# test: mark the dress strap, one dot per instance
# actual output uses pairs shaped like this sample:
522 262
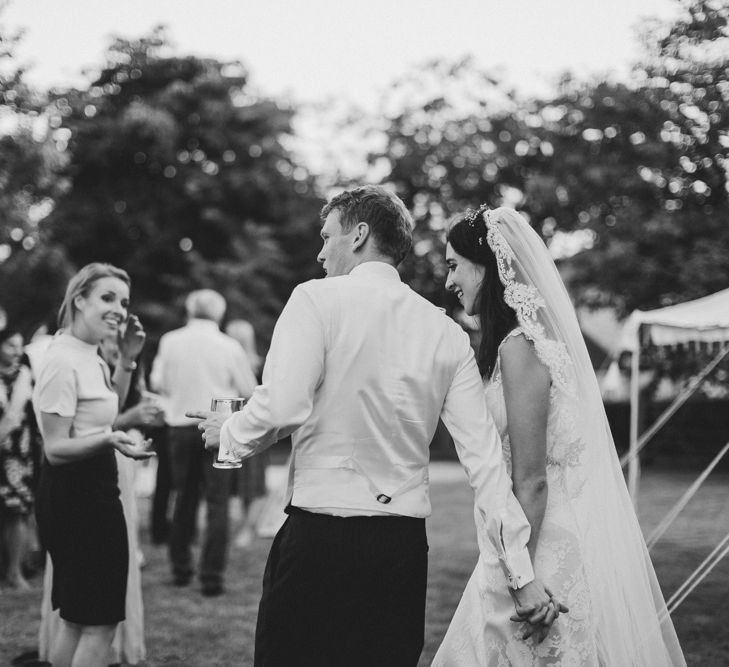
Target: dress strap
514 332
497 366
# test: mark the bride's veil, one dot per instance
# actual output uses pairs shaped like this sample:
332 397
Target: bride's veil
625 596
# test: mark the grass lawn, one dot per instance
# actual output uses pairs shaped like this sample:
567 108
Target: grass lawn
184 628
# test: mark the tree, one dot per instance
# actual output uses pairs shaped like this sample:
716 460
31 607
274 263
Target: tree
31 275
634 172
460 139
644 167
180 176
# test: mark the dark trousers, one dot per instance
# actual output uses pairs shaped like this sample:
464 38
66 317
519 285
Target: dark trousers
192 471
159 513
343 591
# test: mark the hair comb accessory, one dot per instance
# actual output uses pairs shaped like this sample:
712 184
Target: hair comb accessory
472 217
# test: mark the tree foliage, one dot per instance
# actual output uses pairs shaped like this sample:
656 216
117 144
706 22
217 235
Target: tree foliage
179 175
169 166
662 149
30 273
636 172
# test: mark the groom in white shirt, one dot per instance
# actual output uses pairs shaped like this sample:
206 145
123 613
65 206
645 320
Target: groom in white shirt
359 370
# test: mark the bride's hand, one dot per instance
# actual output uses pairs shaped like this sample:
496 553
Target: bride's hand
555 608
536 606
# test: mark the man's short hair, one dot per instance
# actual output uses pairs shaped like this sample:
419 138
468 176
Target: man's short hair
205 304
389 221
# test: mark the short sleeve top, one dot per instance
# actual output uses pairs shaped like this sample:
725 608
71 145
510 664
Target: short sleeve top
74 381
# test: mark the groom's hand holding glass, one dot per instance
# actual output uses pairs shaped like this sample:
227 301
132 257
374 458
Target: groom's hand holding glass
212 421
209 425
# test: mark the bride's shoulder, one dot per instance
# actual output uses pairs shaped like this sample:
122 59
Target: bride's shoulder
518 356
516 345
516 339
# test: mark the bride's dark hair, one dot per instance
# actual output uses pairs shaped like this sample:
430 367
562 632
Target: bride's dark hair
468 238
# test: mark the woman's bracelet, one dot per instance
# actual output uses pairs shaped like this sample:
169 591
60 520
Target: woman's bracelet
129 367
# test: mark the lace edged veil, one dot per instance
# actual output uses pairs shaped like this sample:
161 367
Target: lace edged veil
626 600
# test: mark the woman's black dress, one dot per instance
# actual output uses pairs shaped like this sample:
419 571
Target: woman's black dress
81 524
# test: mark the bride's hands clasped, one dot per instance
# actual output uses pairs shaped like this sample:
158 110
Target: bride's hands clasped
536 605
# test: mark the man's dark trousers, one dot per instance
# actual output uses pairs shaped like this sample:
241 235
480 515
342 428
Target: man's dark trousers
192 471
343 591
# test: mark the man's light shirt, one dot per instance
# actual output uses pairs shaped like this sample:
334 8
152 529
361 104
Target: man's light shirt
359 371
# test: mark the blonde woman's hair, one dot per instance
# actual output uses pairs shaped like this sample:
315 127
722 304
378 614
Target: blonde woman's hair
82 283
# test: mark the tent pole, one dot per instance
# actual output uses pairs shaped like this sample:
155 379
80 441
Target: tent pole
673 408
634 461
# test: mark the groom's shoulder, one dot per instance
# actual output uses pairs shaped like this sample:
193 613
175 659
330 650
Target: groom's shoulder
324 286
434 318
319 292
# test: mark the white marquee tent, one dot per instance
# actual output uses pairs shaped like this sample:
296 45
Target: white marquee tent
704 320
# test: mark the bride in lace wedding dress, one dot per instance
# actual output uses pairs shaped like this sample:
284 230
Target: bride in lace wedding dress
586 544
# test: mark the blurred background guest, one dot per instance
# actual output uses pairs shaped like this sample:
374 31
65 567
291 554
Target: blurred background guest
251 479
194 364
80 516
161 485
16 455
245 334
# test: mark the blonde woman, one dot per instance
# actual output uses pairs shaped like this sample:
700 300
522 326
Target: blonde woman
80 516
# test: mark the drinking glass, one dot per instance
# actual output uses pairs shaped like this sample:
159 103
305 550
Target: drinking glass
226 406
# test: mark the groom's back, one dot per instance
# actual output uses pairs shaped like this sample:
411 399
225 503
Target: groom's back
390 359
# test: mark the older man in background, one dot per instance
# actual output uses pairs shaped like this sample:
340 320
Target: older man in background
194 364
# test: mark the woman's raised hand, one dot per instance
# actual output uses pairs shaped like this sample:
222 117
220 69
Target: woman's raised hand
131 339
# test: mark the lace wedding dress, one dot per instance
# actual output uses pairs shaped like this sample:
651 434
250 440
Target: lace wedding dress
590 551
481 632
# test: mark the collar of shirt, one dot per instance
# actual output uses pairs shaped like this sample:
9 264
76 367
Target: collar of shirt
69 340
374 269
203 323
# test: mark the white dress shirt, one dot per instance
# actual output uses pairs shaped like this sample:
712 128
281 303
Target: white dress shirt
195 364
359 370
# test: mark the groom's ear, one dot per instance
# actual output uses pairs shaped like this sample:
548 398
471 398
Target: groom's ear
361 234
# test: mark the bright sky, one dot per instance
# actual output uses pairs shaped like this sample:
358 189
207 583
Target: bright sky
339 53
315 49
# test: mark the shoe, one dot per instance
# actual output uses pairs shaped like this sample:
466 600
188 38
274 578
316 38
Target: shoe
212 590
29 659
181 580
25 658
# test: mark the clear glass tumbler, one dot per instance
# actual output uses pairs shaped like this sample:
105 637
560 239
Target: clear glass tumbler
226 406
